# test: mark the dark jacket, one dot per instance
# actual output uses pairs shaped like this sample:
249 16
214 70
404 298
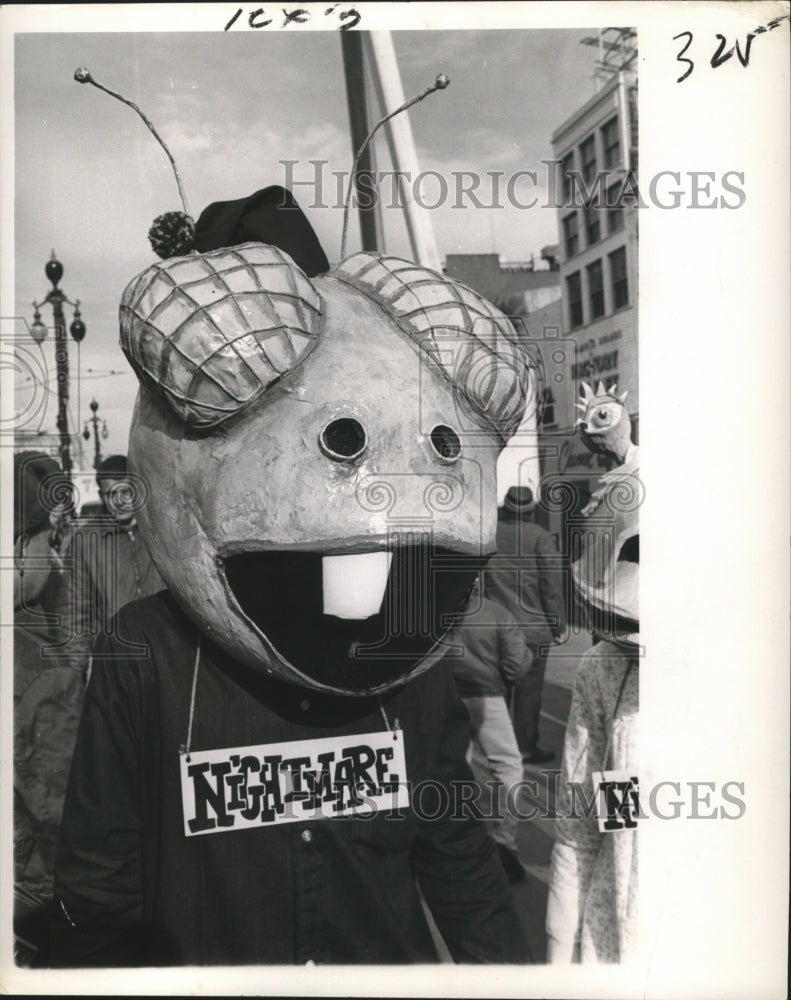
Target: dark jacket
48 698
492 654
526 578
138 890
107 566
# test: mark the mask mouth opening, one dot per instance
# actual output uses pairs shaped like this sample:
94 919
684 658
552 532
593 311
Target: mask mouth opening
605 608
283 594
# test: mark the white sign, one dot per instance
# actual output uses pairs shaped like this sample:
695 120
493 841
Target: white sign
241 787
617 800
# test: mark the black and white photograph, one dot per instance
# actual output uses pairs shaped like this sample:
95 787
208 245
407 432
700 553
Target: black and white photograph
332 338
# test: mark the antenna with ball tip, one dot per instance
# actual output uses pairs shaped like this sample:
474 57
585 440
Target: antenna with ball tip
440 83
173 233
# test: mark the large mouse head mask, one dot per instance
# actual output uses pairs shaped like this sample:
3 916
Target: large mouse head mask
319 445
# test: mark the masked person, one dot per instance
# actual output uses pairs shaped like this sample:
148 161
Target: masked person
277 779
108 564
47 700
592 907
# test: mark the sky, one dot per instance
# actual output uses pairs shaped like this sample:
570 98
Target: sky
90 178
714 314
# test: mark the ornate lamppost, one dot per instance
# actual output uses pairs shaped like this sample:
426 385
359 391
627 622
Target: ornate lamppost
97 454
56 298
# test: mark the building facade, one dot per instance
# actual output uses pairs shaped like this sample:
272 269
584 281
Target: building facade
596 153
530 294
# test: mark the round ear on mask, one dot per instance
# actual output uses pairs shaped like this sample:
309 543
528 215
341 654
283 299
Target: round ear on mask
209 333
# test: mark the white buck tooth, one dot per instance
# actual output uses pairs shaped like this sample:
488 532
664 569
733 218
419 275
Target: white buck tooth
354 585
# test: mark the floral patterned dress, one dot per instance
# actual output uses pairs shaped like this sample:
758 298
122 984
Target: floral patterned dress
592 908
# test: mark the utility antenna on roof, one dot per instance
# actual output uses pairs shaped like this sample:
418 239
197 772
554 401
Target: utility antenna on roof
617 52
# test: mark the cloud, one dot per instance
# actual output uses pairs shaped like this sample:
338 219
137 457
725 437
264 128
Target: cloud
90 178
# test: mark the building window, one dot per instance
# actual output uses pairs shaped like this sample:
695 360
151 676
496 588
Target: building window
611 141
596 289
571 234
629 192
632 101
615 217
547 418
618 278
588 158
574 294
566 166
592 226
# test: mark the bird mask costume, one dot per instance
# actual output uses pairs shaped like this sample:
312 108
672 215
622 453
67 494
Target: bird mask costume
607 571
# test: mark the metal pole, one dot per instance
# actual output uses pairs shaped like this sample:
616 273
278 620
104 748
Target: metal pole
55 297
368 195
625 122
97 456
390 93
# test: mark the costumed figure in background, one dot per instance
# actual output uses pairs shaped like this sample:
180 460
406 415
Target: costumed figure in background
592 908
47 699
320 451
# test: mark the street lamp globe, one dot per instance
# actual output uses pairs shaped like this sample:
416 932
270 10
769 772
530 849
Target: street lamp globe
38 331
77 328
54 269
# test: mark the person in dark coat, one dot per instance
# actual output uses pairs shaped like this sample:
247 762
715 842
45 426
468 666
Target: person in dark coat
135 890
525 577
492 657
107 564
47 701
277 779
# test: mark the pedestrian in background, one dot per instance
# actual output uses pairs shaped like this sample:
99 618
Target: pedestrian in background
525 578
48 698
493 657
109 562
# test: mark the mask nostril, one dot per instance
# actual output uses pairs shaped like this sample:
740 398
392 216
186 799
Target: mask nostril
343 439
446 442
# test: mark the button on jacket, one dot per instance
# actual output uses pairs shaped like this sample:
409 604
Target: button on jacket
134 889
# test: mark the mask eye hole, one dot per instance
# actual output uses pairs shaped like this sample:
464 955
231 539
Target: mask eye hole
343 439
446 443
